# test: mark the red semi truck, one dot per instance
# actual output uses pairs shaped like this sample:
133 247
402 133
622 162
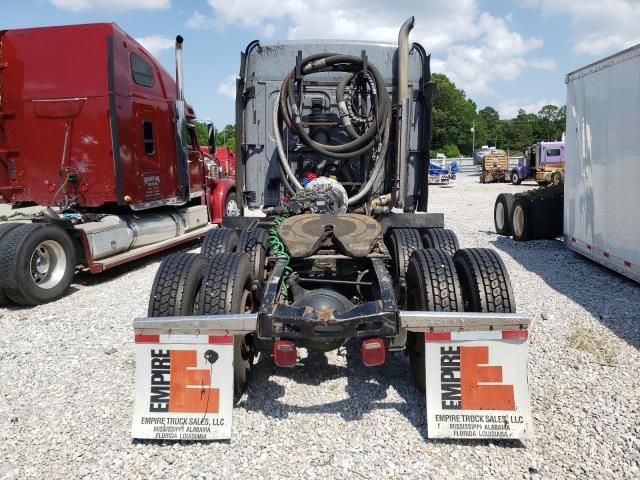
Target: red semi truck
99 160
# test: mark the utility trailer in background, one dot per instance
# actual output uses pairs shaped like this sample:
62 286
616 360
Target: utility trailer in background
597 208
602 194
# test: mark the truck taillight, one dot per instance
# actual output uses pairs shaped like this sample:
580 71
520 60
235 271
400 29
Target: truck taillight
373 352
285 353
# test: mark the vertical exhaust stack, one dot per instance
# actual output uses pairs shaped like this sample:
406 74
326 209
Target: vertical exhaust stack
181 126
402 134
179 74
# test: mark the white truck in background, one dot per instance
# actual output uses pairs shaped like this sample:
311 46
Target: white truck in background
602 178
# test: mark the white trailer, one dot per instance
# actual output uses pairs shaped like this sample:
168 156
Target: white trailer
602 180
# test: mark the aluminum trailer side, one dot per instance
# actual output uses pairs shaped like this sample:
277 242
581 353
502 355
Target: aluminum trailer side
602 182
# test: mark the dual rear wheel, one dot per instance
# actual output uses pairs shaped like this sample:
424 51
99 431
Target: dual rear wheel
221 279
465 280
37 263
441 277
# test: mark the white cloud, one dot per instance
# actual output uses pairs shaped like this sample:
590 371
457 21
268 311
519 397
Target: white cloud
509 108
472 47
598 27
268 30
198 21
157 43
543 64
78 5
355 19
227 88
497 55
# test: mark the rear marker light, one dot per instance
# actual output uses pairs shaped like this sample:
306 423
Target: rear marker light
285 353
606 254
373 352
627 264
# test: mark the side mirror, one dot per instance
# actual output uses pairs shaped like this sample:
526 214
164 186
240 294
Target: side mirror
211 131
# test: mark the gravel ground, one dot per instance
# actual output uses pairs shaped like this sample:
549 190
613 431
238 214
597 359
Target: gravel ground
66 383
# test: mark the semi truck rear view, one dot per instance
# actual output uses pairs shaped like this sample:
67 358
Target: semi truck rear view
335 245
98 155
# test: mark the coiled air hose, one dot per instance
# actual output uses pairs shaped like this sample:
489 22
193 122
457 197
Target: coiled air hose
374 124
280 251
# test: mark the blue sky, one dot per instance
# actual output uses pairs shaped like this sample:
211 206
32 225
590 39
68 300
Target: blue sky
507 54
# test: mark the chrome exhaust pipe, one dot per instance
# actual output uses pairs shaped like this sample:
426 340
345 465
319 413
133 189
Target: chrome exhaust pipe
179 84
403 59
403 103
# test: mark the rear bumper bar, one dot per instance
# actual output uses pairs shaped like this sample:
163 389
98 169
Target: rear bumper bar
238 324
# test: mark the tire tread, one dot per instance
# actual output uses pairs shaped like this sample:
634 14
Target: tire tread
441 238
489 281
167 293
404 241
219 240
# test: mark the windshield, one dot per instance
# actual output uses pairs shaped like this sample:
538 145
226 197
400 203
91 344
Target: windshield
553 152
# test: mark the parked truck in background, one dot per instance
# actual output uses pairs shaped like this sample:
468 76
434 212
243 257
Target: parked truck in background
98 155
596 210
495 166
227 161
542 162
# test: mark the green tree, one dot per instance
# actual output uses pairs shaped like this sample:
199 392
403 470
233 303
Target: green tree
203 135
224 138
453 116
490 118
227 137
451 151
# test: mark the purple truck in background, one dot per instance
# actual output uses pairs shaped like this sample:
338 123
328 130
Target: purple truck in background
542 162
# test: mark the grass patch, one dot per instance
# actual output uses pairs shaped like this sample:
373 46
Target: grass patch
590 342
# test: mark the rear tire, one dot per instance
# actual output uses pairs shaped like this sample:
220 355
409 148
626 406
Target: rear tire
515 178
442 239
485 282
5 228
522 219
176 285
226 288
433 286
254 243
502 211
219 240
37 263
556 178
482 178
401 243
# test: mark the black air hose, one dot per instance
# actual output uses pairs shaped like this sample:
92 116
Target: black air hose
326 62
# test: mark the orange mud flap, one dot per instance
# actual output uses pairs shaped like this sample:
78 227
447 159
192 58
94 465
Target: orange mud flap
184 376
476 374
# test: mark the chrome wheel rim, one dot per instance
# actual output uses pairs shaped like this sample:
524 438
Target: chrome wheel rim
232 209
48 264
518 221
500 216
